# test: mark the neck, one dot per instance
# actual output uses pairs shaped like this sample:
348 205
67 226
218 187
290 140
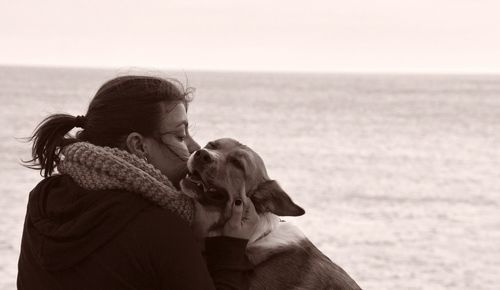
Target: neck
272 236
266 224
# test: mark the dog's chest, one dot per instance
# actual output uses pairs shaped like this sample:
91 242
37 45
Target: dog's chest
286 259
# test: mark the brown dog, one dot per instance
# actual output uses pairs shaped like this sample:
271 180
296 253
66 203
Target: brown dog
283 257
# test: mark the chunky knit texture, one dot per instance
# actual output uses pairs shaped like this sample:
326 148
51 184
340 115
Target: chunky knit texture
97 168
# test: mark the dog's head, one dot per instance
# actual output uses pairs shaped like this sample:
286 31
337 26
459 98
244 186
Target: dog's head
225 169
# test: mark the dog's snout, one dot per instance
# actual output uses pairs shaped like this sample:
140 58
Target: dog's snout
203 155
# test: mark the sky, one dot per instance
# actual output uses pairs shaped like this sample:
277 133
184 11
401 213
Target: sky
436 36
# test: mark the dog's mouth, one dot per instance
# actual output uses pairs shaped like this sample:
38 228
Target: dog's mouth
195 178
206 192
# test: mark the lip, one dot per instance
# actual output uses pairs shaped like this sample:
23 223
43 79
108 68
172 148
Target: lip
194 183
194 177
206 193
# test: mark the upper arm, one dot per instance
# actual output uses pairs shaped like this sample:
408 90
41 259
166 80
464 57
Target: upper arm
176 256
179 263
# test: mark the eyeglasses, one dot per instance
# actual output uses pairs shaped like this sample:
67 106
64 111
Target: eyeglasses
180 151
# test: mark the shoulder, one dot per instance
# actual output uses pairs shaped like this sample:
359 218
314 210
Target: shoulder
156 216
155 236
164 238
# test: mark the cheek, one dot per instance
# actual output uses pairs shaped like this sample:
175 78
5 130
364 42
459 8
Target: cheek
179 149
169 164
235 182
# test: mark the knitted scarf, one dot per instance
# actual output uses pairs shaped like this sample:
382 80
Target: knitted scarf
97 168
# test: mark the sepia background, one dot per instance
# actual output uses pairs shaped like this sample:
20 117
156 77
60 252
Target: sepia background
380 118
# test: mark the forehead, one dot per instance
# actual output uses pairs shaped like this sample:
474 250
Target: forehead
226 143
230 147
173 115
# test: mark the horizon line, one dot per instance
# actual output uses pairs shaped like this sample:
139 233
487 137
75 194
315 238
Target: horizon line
255 71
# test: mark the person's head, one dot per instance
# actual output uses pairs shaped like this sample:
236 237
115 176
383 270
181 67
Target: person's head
141 114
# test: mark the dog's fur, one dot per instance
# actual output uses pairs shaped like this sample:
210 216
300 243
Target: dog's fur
282 256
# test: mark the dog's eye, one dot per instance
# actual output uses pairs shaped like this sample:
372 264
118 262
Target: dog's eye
237 163
211 145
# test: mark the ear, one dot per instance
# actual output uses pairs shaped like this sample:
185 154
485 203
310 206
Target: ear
269 197
135 144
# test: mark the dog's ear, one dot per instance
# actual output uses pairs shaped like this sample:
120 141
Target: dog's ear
269 197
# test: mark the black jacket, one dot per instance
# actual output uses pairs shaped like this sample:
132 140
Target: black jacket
112 239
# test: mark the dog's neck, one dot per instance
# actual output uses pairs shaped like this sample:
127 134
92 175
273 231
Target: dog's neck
271 236
267 222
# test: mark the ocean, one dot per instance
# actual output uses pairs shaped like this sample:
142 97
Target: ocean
398 174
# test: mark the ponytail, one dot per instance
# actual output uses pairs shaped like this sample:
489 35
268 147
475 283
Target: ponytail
48 139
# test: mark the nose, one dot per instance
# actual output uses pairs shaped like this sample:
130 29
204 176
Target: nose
191 144
203 155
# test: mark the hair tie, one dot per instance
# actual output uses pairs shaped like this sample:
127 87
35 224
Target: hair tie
80 121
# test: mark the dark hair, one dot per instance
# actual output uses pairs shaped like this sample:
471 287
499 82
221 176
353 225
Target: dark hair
121 106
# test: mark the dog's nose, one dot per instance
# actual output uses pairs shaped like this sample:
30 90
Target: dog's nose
203 155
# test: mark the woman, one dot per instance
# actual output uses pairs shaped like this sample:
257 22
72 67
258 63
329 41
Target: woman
113 218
